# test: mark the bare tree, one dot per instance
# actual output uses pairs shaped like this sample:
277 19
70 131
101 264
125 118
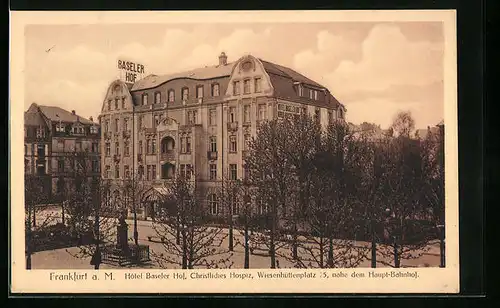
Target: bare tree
92 217
199 245
33 198
270 173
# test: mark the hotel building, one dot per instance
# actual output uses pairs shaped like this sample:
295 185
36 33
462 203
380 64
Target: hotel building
53 137
198 122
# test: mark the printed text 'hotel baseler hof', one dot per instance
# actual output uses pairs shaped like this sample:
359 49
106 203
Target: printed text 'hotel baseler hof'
198 123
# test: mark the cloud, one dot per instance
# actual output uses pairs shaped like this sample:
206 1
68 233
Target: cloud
391 70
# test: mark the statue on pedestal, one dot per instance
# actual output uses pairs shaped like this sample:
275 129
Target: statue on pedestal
122 233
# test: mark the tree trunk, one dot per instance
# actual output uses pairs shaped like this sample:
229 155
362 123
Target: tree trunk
63 214
272 248
247 249
396 257
136 232
330 252
294 243
178 233
374 247
231 244
184 250
321 251
28 260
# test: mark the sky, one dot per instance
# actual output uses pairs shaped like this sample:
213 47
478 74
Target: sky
374 69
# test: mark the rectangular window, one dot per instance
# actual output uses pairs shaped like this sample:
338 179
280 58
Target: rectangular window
262 112
117 171
315 95
127 171
171 96
117 148
95 166
258 85
183 144
232 114
246 142
213 144
156 120
108 172
232 144
330 116
116 103
78 146
213 171
311 94
233 174
246 86
236 88
60 165
212 200
157 97
188 144
60 145
153 172
212 117
140 147
126 149
246 113
199 91
192 116
144 99
123 104
108 149
93 129
125 124
153 146
215 89
148 174
117 125
148 146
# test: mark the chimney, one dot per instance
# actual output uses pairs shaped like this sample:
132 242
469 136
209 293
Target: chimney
73 112
91 119
222 59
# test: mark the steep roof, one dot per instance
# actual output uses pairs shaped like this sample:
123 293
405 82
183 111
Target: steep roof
58 114
208 72
33 119
282 79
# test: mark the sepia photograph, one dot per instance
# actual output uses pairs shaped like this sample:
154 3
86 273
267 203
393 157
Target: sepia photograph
206 146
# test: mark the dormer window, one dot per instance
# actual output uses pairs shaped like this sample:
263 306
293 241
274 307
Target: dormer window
60 128
93 129
246 86
171 96
199 91
300 90
157 97
40 132
116 103
258 85
185 94
236 88
123 103
313 94
144 99
109 105
215 89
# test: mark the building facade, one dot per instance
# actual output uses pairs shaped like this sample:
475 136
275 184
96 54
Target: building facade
198 123
53 137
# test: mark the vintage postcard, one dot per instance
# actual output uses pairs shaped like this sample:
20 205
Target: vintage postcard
234 152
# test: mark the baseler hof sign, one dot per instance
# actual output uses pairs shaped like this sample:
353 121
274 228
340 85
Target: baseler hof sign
130 72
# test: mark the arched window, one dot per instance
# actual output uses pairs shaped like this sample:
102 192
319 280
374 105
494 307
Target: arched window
171 96
215 89
212 202
157 97
167 171
185 94
167 144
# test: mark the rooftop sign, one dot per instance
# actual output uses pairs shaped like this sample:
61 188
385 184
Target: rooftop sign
130 72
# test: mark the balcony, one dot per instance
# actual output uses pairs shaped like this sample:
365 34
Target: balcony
116 157
232 126
167 156
139 158
126 133
212 155
107 135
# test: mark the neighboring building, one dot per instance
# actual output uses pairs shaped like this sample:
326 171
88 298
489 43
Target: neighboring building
52 137
198 122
